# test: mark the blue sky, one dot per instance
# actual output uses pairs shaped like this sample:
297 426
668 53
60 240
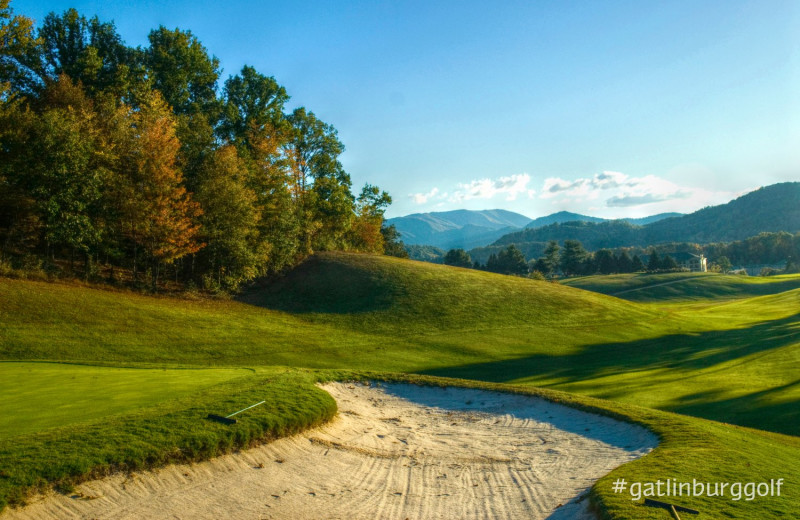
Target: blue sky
617 108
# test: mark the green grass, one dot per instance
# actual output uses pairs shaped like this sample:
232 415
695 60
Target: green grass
724 355
364 312
175 430
38 396
643 287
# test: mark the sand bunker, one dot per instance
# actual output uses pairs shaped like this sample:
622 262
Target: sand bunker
395 451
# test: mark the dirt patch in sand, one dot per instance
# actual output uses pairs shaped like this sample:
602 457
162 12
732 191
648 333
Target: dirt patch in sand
394 451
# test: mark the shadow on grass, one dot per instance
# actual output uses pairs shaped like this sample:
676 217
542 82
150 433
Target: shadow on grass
696 289
675 352
765 410
326 287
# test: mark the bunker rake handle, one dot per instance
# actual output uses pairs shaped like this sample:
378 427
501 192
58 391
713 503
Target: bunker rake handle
227 419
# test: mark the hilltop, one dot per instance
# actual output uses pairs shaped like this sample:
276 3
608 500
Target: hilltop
566 216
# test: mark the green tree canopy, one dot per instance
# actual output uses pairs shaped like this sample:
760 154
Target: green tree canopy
252 101
605 262
551 258
573 257
654 261
458 258
19 52
508 261
624 263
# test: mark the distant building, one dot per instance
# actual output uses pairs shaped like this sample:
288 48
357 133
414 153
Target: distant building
685 261
690 262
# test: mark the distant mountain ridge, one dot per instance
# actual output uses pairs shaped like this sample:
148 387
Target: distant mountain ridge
560 217
567 216
469 229
769 209
458 228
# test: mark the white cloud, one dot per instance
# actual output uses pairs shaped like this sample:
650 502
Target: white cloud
555 185
624 201
608 180
649 190
619 190
422 198
511 187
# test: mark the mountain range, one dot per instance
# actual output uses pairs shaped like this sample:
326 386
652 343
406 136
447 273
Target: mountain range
459 228
769 209
469 229
566 216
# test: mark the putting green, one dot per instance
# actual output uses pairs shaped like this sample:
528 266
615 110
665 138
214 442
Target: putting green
37 396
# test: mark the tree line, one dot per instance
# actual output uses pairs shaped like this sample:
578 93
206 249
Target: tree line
141 160
572 260
766 248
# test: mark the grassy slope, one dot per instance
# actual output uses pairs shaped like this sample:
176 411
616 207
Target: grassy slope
372 313
175 430
683 287
38 396
375 313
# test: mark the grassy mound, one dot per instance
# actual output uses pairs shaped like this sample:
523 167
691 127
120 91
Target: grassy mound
389 294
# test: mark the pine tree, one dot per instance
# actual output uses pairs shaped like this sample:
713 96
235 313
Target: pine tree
654 262
573 257
551 258
604 260
624 262
668 263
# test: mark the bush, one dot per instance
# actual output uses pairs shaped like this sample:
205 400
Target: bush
5 268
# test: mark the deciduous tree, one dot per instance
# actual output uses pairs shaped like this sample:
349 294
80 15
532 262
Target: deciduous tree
161 216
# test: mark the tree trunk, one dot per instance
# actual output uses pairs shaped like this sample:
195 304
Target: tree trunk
155 275
135 272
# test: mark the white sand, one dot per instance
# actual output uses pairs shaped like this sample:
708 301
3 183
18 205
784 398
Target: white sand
395 451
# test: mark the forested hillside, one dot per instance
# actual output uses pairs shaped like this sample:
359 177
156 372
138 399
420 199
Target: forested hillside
566 216
142 161
770 209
